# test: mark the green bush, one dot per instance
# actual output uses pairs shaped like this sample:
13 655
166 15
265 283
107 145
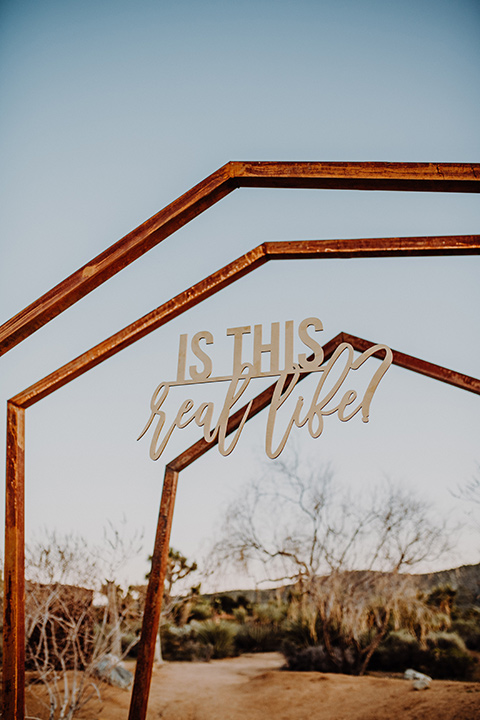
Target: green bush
445 641
444 657
443 598
398 652
240 614
257 637
181 643
243 601
219 636
469 631
304 632
225 604
316 658
270 613
201 610
447 657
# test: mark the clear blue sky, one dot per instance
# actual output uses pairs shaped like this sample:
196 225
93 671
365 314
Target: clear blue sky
110 110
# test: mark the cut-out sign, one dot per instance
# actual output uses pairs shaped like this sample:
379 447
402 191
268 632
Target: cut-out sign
327 397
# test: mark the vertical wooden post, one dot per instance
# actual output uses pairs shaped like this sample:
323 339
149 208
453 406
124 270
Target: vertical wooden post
14 587
153 602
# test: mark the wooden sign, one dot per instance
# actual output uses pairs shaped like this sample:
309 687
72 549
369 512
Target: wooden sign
330 395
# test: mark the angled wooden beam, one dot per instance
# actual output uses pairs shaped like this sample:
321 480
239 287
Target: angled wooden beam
415 177
319 249
115 258
422 367
142 327
153 599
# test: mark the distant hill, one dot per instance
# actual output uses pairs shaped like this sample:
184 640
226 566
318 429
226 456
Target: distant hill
465 580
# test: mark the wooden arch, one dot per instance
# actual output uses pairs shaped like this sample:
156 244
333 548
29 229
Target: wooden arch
362 176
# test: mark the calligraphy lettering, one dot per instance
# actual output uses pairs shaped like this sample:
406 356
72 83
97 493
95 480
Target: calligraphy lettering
327 398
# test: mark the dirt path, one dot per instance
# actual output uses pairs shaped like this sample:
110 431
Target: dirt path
253 687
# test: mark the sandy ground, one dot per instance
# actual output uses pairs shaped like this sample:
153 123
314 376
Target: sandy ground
253 687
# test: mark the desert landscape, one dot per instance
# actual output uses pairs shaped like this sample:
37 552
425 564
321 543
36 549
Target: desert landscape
254 687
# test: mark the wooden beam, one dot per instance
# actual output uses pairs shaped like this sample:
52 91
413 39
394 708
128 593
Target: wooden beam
422 367
320 249
115 258
416 177
142 327
428 246
14 578
154 597
412 177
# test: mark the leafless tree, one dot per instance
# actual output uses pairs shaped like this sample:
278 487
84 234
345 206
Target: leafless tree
65 634
117 548
297 524
59 621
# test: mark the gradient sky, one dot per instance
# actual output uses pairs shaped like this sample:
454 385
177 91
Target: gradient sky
110 110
